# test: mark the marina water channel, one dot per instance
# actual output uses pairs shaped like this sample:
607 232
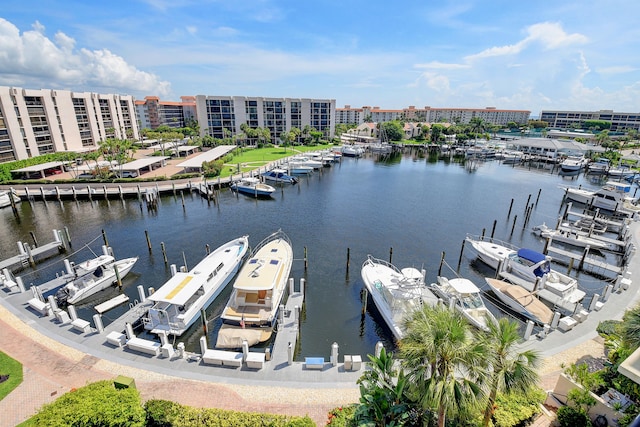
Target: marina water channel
409 208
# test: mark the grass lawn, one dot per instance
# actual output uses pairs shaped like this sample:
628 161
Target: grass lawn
254 158
10 367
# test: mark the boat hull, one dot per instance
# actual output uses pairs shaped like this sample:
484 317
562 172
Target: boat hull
179 302
109 277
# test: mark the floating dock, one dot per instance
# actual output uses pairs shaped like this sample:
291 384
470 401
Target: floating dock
28 254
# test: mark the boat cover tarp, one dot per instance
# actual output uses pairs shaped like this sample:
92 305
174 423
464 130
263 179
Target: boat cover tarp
531 255
230 336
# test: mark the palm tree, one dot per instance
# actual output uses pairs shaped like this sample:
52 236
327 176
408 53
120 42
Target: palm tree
509 370
444 361
477 125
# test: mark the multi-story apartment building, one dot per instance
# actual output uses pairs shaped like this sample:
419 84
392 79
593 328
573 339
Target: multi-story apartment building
563 119
493 115
153 113
220 114
35 122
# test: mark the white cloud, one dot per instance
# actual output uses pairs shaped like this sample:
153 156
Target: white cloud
616 69
32 59
437 65
548 34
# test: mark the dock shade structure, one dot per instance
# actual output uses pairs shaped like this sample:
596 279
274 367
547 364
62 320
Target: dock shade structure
137 167
194 164
42 170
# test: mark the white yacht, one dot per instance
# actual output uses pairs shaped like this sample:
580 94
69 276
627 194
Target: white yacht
252 310
465 297
177 304
396 293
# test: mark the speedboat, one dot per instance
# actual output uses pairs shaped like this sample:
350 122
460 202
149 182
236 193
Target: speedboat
6 196
521 301
295 168
252 310
252 186
569 237
352 150
600 166
578 194
92 276
572 164
532 271
396 293
178 303
306 161
465 297
279 175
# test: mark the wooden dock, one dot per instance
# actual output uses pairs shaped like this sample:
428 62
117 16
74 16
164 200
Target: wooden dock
29 255
585 262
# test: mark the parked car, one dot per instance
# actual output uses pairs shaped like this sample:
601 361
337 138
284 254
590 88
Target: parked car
128 174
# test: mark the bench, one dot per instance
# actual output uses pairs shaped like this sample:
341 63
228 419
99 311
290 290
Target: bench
80 325
62 317
144 346
39 306
255 360
222 358
567 323
314 362
116 338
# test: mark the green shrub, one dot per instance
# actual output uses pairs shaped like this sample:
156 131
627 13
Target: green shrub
342 416
160 412
164 414
97 404
514 408
608 327
572 417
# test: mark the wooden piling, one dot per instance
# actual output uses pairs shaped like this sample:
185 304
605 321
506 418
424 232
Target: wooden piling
515 218
484 230
305 259
33 237
203 315
390 255
164 253
538 197
146 234
441 262
461 252
67 235
118 280
493 229
348 258
527 204
207 248
365 294
104 238
182 197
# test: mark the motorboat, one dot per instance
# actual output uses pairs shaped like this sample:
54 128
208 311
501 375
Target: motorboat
396 293
572 164
306 161
178 303
463 295
252 186
600 166
491 252
521 301
252 310
295 168
532 271
578 194
619 171
569 237
92 276
6 197
279 175
591 225
352 150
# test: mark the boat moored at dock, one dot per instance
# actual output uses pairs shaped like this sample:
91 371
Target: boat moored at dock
177 304
252 310
252 186
396 293
465 297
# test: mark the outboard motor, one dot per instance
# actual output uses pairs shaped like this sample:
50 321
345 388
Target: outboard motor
62 296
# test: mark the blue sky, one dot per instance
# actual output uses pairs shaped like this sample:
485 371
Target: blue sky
575 55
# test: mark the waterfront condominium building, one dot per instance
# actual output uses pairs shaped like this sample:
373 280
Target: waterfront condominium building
219 113
153 113
575 119
35 122
492 115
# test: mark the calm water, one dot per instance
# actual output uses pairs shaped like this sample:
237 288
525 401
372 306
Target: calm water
417 207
